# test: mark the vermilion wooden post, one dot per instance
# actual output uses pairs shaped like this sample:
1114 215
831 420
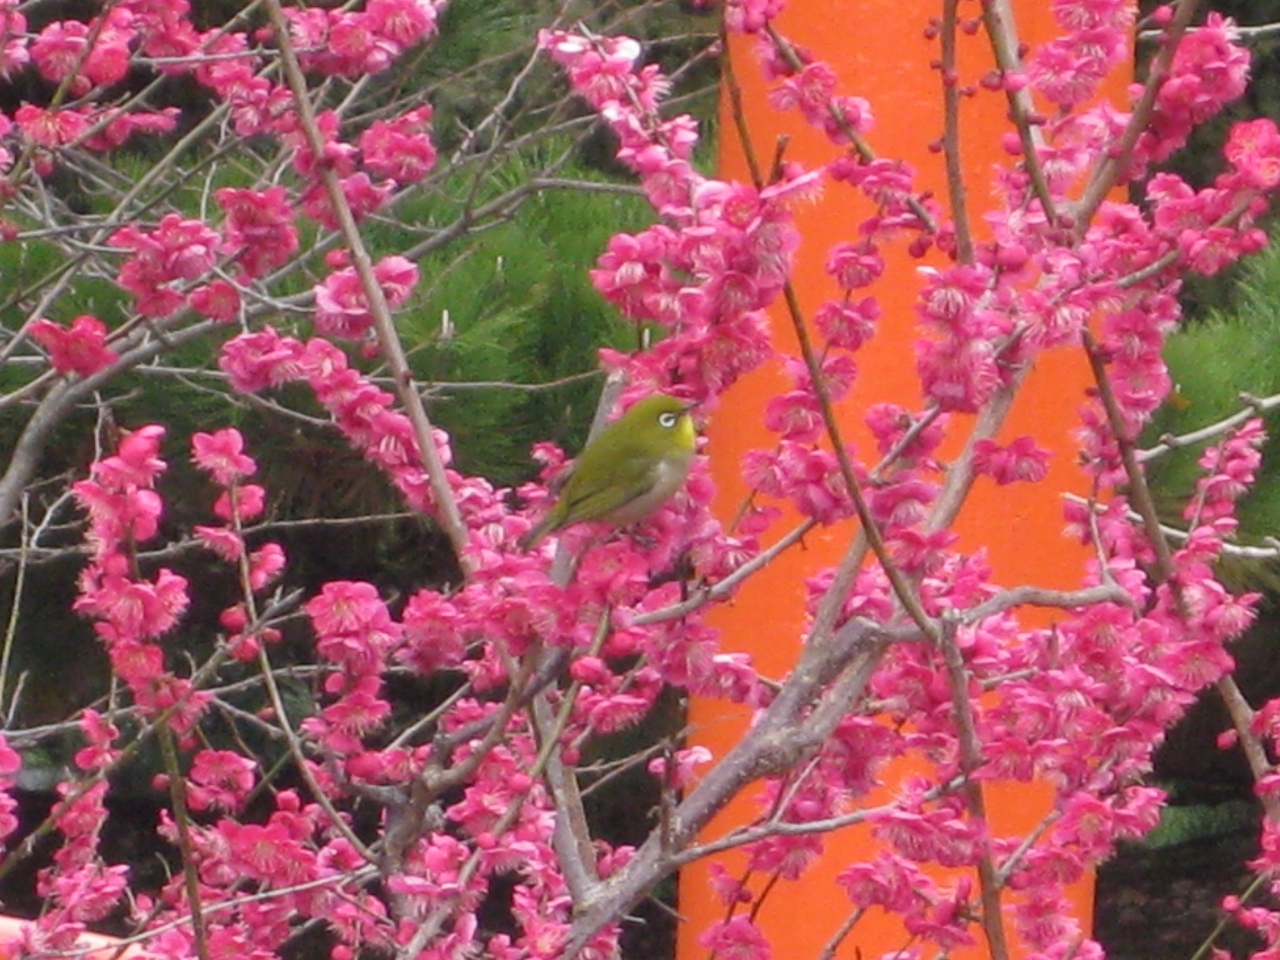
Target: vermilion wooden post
879 50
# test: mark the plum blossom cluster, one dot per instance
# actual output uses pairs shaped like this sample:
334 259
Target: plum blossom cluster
298 862
363 411
476 805
222 456
297 845
132 612
163 260
1144 657
80 887
342 308
298 866
722 251
94 56
720 255
178 262
1068 69
351 43
354 632
80 349
1209 70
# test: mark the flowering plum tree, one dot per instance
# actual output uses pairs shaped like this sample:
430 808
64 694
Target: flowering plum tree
251 229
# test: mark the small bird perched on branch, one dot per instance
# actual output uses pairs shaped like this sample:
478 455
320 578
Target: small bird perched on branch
627 470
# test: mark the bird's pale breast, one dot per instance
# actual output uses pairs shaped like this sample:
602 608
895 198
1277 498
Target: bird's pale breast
667 476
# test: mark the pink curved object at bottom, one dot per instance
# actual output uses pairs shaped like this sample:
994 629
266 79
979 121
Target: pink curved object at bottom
89 946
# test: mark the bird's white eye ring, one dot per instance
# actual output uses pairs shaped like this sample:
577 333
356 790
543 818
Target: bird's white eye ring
667 420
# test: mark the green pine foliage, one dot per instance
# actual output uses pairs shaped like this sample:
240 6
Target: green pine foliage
503 328
1232 352
516 310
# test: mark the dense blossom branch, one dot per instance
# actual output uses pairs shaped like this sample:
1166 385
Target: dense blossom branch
264 237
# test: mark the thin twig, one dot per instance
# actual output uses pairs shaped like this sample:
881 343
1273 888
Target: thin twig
956 188
1242 717
388 337
1253 407
1139 492
1113 162
971 761
182 820
997 15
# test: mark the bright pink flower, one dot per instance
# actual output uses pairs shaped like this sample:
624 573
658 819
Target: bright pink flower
335 153
10 760
220 780
224 541
682 773
1022 461
848 324
61 52
138 608
14 48
854 265
116 516
218 300
357 713
354 43
242 503
81 350
50 128
1045 920
959 375
163 260
890 423
1253 148
363 197
404 23
101 735
795 415
736 939
257 361
88 892
750 16
810 91
1067 70
265 565
259 226
434 633
902 504
353 626
269 852
136 462
400 149
342 310
59 49
222 455
355 47
1210 69
117 126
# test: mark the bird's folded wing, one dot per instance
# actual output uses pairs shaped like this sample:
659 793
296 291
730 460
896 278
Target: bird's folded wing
626 482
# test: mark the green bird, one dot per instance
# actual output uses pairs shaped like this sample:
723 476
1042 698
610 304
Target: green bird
627 471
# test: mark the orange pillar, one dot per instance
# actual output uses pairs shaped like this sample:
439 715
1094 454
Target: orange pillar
879 51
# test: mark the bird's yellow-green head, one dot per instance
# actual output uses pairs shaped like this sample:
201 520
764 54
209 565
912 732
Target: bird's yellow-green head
657 426
627 470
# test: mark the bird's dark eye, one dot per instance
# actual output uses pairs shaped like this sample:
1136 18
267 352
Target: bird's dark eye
667 420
